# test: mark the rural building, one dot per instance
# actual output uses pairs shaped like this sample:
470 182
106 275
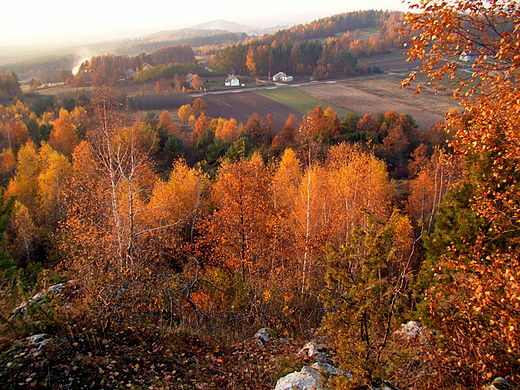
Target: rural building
189 78
281 76
232 81
467 56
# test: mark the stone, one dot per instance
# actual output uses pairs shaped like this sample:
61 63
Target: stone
38 340
314 351
306 379
410 330
414 331
311 377
37 298
327 368
500 384
321 357
262 336
55 289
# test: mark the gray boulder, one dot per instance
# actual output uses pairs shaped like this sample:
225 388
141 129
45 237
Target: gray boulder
306 379
315 352
410 330
37 298
500 384
262 336
329 369
311 377
414 331
38 340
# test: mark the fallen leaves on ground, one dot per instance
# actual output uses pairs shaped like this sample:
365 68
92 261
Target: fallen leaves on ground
179 360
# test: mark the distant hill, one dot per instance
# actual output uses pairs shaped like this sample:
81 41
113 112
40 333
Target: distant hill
215 27
183 33
225 25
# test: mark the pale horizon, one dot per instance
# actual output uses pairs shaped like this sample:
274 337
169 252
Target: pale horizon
54 22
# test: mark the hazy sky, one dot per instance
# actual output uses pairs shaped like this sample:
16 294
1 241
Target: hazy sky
59 21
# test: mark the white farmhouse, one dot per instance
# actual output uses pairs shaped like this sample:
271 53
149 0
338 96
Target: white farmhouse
281 76
467 56
232 81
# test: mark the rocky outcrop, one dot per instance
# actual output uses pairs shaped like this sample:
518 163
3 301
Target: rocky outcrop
315 376
68 289
37 298
410 330
306 379
413 331
315 352
327 368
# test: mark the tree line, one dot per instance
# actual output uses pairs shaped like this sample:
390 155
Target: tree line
108 69
297 51
340 23
9 87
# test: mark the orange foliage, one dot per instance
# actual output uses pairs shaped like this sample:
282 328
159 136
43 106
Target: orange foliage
200 126
7 162
166 124
13 134
229 131
240 226
472 300
359 189
63 136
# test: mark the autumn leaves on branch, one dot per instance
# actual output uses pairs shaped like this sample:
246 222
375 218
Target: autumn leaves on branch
471 48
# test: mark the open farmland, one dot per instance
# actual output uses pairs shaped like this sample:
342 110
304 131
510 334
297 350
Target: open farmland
382 94
374 95
299 100
278 101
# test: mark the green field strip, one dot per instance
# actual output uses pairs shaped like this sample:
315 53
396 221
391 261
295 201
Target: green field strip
298 100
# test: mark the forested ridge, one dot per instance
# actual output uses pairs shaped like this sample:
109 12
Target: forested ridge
314 48
176 236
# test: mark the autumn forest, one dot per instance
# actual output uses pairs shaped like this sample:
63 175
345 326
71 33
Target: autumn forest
175 234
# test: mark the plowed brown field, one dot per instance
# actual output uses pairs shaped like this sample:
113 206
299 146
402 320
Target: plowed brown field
242 105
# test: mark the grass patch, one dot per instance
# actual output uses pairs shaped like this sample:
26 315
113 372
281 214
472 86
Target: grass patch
298 100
